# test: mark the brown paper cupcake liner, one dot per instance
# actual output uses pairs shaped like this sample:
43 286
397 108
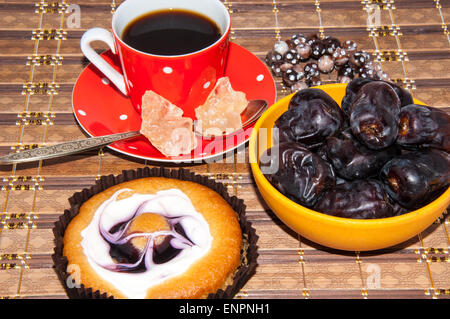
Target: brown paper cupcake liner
249 252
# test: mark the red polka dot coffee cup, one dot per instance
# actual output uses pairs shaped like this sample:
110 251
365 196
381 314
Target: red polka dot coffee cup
184 79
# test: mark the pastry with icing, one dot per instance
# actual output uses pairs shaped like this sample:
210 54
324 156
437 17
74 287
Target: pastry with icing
154 237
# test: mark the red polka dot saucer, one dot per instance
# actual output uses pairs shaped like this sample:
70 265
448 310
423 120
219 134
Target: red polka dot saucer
101 109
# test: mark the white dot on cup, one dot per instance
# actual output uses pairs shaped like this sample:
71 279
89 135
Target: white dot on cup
206 85
167 70
123 117
81 112
132 147
105 81
260 77
130 84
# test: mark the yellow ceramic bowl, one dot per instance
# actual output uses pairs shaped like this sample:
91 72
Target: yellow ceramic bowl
334 232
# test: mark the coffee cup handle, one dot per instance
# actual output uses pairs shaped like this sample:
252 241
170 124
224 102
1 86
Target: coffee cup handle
100 34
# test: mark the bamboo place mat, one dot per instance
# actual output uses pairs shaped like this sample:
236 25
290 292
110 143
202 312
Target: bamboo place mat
40 60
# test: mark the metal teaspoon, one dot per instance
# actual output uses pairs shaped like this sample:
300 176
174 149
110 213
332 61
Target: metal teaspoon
250 114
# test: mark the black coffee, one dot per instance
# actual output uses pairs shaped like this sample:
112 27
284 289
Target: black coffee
171 32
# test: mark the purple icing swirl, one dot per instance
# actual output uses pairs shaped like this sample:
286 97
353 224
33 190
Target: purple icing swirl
119 237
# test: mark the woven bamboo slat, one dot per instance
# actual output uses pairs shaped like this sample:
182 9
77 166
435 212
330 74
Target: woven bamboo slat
413 43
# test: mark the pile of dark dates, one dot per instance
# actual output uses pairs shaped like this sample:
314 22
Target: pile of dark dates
300 61
378 156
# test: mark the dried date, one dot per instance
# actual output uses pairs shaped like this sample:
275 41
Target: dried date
416 178
356 84
404 96
423 126
352 160
364 199
312 116
374 115
351 91
297 172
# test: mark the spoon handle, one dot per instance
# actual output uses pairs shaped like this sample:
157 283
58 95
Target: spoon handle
66 148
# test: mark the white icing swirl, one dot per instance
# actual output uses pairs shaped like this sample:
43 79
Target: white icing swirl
169 203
